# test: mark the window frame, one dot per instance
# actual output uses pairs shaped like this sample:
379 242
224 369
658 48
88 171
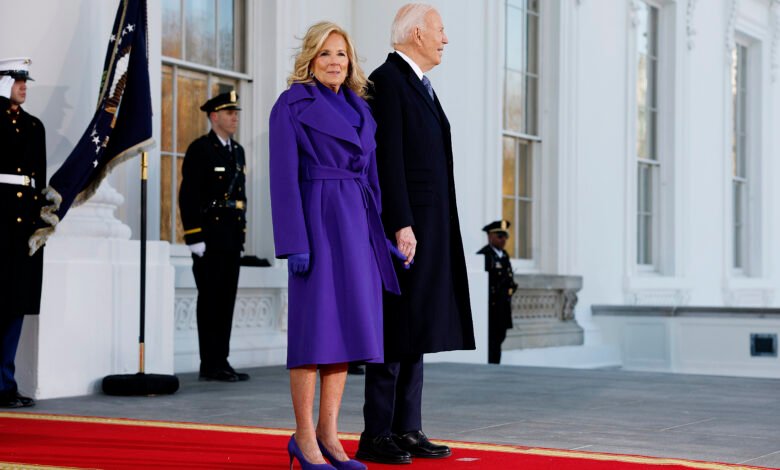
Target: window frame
532 141
213 74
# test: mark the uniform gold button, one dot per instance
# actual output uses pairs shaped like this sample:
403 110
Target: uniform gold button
13 121
18 219
18 170
216 218
17 130
35 197
19 194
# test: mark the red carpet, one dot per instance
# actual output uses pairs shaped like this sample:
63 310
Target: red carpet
46 441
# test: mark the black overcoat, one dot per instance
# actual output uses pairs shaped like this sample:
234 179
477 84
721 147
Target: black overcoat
414 161
213 179
22 152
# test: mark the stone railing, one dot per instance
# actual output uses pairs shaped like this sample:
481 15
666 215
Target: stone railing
543 312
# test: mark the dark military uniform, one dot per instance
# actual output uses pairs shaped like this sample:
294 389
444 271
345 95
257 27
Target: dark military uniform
502 285
212 200
23 159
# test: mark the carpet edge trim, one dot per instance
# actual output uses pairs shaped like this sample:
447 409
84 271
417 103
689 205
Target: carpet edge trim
506 448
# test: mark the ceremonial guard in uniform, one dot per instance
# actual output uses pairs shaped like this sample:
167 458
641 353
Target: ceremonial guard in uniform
212 200
22 175
501 284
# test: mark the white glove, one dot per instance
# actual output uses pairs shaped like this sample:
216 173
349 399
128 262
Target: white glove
6 83
198 249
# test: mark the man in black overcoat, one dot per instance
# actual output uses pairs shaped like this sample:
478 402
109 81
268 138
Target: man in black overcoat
22 176
415 166
501 286
212 200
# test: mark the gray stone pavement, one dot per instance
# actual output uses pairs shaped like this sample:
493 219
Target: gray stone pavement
720 419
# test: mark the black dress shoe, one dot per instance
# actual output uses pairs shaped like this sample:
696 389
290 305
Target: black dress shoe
25 401
417 444
242 376
221 375
381 449
10 401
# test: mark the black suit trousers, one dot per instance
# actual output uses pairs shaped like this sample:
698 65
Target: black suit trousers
393 397
216 275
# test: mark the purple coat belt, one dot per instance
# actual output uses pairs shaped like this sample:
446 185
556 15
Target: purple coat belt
375 228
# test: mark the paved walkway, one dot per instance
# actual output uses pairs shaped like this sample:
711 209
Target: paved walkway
723 419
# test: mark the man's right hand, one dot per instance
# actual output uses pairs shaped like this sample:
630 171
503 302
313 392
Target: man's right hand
198 249
407 243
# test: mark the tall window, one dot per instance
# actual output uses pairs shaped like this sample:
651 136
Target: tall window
202 48
648 164
739 170
521 129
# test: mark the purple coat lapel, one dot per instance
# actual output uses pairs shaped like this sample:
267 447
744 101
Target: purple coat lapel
319 115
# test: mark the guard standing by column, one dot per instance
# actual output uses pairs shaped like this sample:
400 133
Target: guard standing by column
212 200
22 175
501 284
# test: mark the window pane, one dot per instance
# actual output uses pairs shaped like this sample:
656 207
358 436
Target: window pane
513 102
652 135
226 35
652 83
192 93
644 214
508 168
643 38
524 219
533 5
652 31
532 89
201 35
525 164
532 38
221 85
171 28
642 81
167 109
515 39
738 224
508 213
165 198
641 133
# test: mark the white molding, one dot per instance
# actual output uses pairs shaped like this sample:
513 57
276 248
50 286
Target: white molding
753 286
633 13
731 25
567 126
493 109
666 282
690 11
775 17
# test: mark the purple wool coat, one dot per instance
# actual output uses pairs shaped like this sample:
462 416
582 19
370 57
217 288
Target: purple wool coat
325 201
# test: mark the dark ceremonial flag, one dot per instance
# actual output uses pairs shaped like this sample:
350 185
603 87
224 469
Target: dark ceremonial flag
121 127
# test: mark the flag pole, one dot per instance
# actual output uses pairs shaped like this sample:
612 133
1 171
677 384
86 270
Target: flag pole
141 383
144 178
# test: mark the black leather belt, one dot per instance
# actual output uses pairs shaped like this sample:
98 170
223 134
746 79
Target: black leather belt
229 204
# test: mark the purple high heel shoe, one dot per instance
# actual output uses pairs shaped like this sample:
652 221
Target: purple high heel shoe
295 452
340 464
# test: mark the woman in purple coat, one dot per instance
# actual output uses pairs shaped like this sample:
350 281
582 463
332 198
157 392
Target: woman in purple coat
326 215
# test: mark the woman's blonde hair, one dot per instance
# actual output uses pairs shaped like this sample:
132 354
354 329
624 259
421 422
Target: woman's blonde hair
312 43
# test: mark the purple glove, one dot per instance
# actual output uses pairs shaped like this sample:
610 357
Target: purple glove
298 264
397 253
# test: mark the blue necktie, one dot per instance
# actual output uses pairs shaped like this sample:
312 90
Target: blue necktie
427 85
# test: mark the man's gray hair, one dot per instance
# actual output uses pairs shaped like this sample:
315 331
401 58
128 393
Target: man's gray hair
409 16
